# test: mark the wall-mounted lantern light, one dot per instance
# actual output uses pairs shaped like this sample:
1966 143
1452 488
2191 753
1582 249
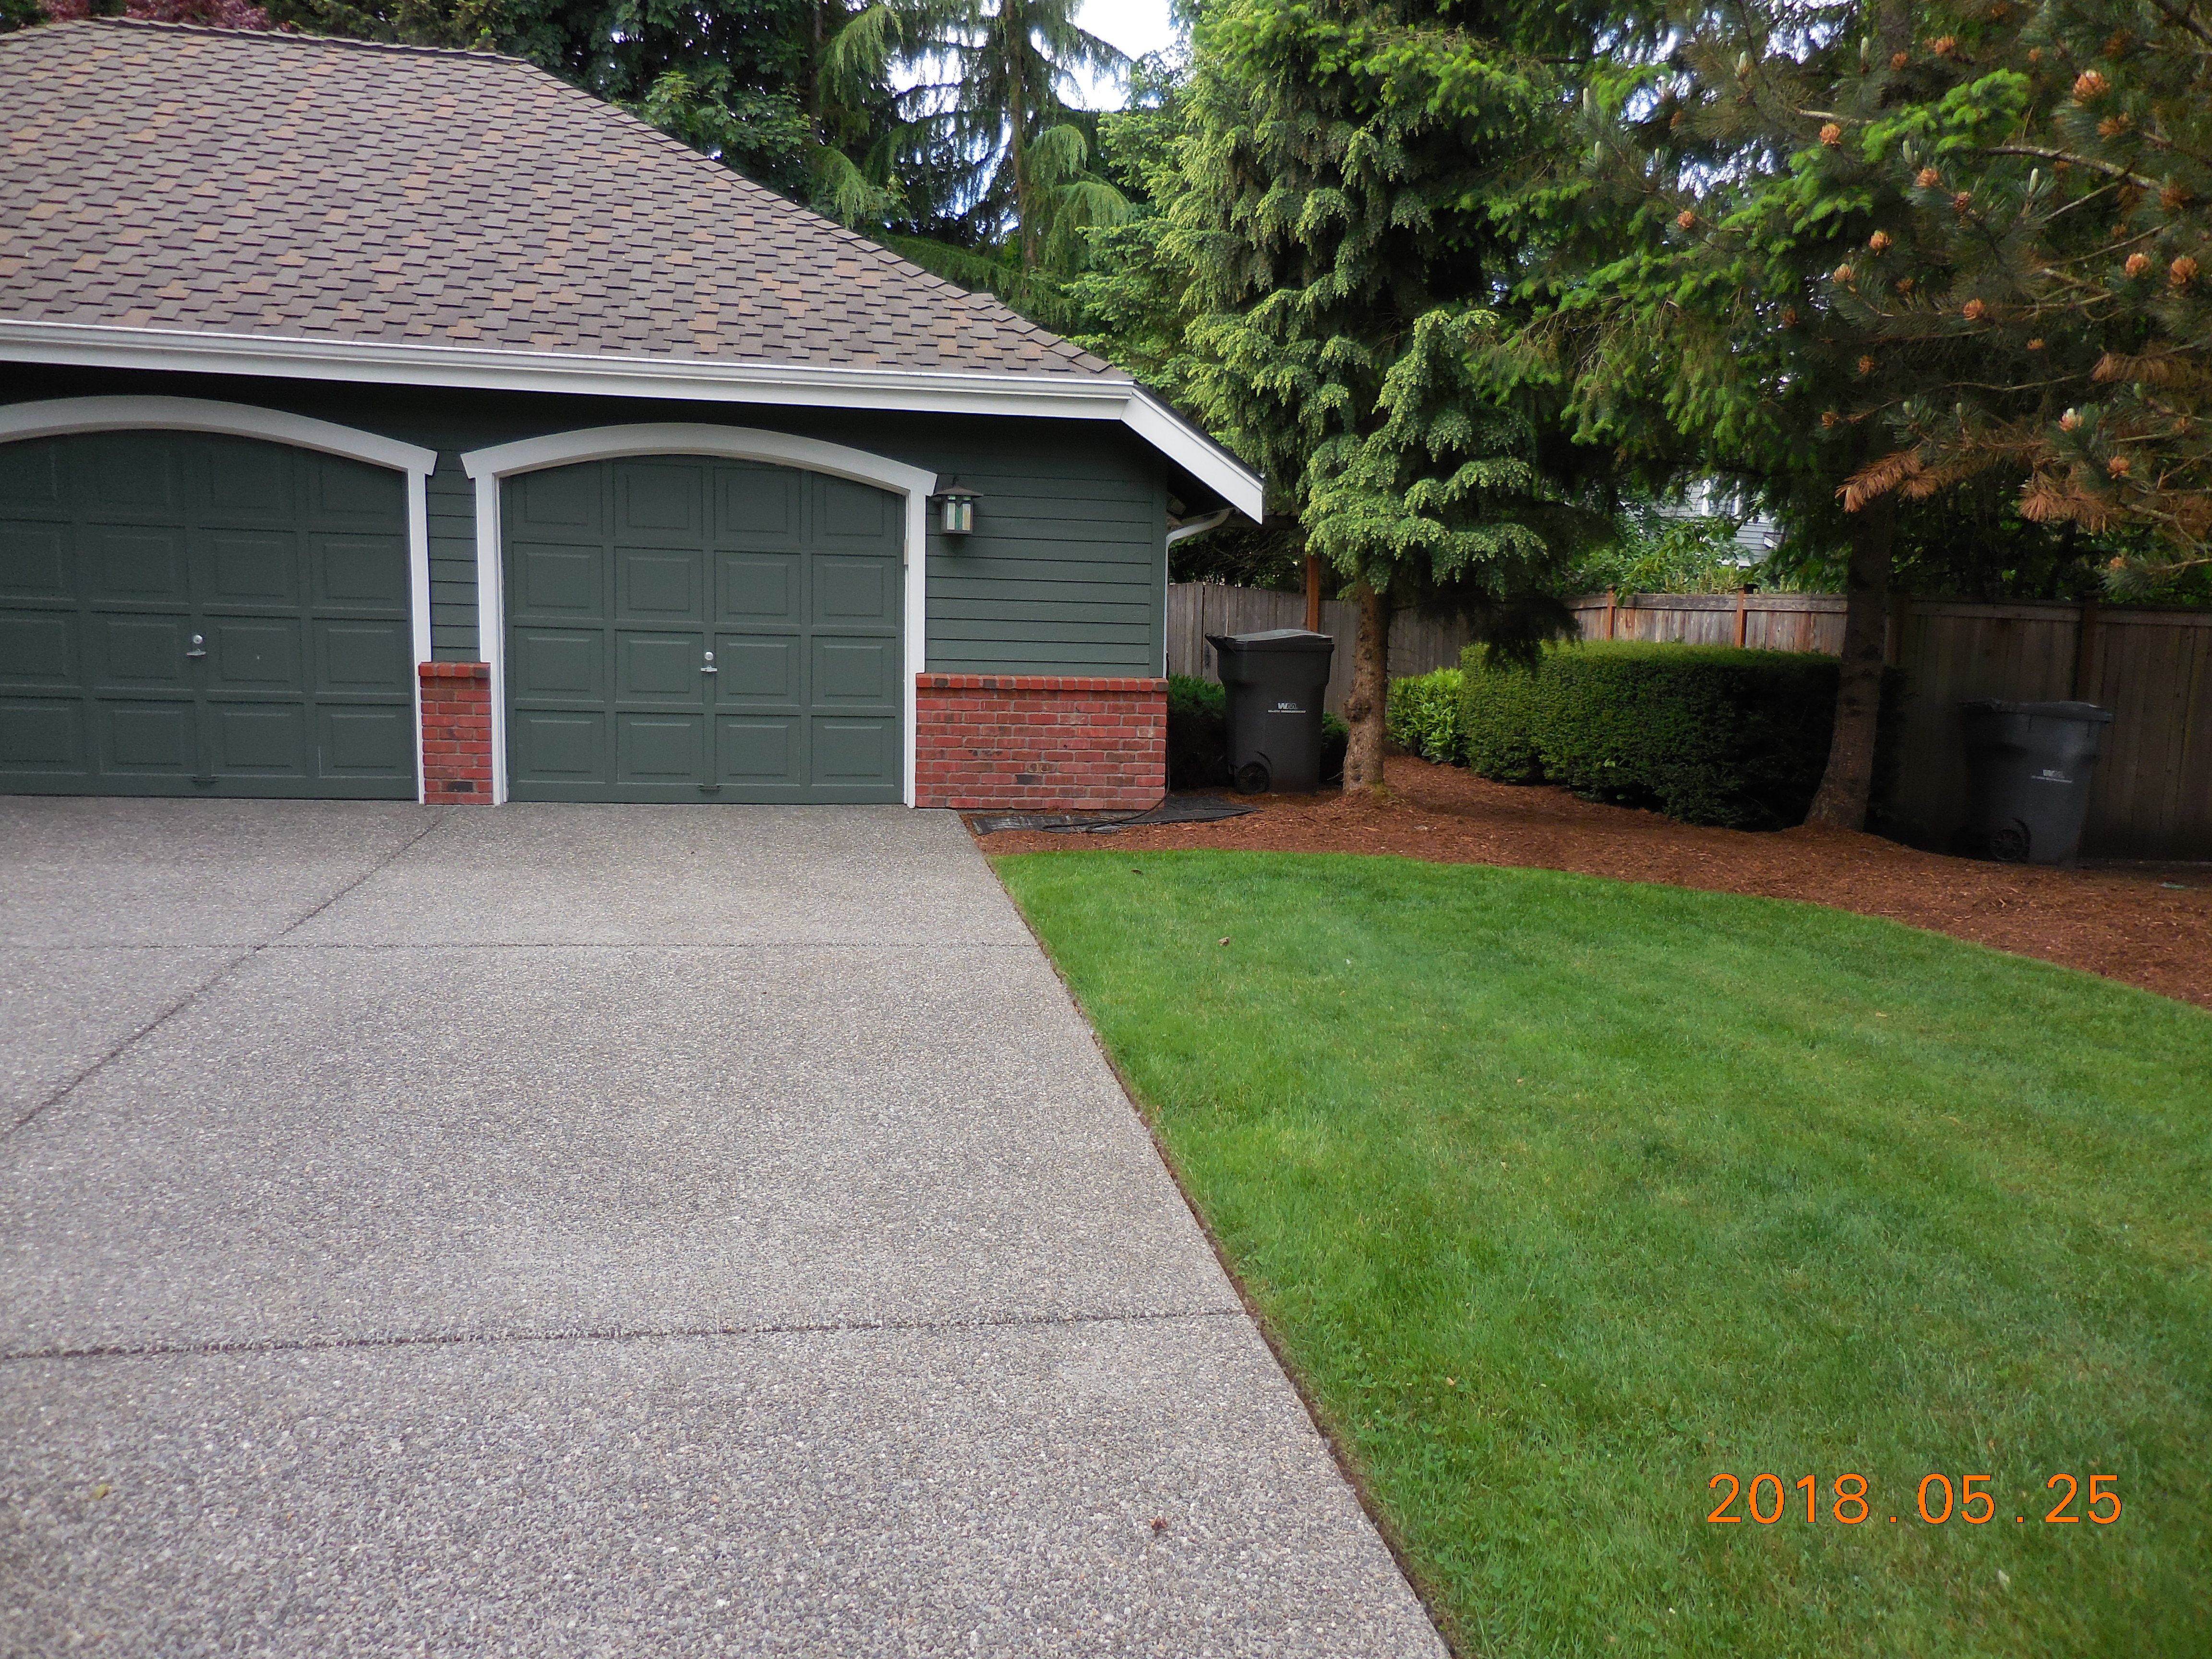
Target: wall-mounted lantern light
955 509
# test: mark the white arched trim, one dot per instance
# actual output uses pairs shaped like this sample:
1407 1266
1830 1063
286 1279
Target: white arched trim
735 443
59 417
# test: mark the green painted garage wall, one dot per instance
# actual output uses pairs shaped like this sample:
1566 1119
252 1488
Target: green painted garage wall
1064 574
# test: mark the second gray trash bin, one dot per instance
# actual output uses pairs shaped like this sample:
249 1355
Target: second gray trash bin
1274 682
2028 767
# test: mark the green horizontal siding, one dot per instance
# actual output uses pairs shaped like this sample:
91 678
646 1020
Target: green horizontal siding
1065 572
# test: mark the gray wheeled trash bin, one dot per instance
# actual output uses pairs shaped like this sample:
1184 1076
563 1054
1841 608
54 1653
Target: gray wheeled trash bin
1274 682
2028 767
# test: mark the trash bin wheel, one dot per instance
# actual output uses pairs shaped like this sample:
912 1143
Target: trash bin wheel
1252 778
2011 844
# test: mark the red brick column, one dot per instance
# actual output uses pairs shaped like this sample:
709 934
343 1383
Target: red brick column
457 733
1039 742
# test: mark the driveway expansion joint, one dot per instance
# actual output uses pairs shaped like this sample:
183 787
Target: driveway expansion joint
180 1004
671 1333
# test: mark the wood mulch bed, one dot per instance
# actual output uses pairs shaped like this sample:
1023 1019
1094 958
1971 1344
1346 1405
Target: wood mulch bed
2148 926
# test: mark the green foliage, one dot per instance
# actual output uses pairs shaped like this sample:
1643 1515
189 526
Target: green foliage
1198 754
1423 717
1704 733
1663 554
1559 1195
1341 208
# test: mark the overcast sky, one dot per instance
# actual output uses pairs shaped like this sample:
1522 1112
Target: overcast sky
1137 26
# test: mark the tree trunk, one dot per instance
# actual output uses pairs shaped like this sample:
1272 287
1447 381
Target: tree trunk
1363 710
1841 803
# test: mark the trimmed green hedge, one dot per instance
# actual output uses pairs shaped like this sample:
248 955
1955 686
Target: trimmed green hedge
1704 733
1423 715
1198 736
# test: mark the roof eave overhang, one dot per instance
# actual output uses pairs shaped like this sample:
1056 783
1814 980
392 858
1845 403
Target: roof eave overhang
1053 396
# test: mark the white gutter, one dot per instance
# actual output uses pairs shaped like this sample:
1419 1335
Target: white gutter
1182 533
1057 397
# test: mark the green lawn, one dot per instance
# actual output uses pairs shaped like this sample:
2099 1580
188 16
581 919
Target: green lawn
1563 1195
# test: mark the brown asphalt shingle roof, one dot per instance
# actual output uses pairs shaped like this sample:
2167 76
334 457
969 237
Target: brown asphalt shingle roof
184 179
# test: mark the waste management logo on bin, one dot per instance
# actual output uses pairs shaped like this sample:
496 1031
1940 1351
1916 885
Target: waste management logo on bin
2050 774
1287 709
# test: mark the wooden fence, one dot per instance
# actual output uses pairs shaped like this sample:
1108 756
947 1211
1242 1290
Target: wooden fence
2152 668
1418 644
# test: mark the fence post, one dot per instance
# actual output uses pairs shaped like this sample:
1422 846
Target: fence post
2085 647
1611 601
1313 592
1740 618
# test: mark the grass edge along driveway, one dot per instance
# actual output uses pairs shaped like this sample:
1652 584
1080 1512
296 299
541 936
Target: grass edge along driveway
1564 1196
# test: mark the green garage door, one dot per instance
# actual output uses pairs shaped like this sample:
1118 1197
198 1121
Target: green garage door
185 615
689 630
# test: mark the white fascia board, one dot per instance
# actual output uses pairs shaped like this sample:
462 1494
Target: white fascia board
1196 453
1053 396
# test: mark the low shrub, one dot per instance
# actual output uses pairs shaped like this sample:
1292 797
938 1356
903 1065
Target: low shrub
1198 754
1423 715
1704 733
1197 757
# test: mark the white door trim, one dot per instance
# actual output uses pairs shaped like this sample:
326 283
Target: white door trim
58 417
736 443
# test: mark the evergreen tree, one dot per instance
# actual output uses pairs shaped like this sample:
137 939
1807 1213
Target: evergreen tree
997 156
1357 187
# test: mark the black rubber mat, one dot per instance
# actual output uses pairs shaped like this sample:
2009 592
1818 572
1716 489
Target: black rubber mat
1193 808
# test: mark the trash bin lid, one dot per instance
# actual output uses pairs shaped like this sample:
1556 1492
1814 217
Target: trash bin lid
1273 639
2087 712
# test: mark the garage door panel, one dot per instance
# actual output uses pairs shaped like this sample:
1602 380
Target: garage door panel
854 592
140 563
43 735
562 745
757 672
339 488
661 667
559 662
659 749
854 753
258 739
652 585
138 471
756 503
847 672
260 653
854 510
151 738
367 743
39 650
654 495
552 581
34 562
239 567
758 587
358 572
31 477
567 498
352 658
245 480
759 751
197 596
135 652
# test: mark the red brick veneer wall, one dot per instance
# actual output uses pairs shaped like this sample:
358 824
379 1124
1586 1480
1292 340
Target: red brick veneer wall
457 733
1037 741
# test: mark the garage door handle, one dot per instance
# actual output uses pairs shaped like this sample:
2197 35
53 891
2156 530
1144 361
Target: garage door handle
198 648
707 667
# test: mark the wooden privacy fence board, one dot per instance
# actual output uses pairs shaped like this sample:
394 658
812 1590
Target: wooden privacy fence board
2151 667
1418 644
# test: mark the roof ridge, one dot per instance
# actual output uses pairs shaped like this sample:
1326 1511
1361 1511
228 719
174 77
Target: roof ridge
295 36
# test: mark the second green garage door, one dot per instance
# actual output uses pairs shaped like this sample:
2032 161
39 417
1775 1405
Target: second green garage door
703 630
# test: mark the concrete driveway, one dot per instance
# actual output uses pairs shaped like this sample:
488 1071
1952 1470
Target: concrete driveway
606 1230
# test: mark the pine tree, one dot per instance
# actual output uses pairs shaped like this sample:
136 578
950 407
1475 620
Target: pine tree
1349 184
